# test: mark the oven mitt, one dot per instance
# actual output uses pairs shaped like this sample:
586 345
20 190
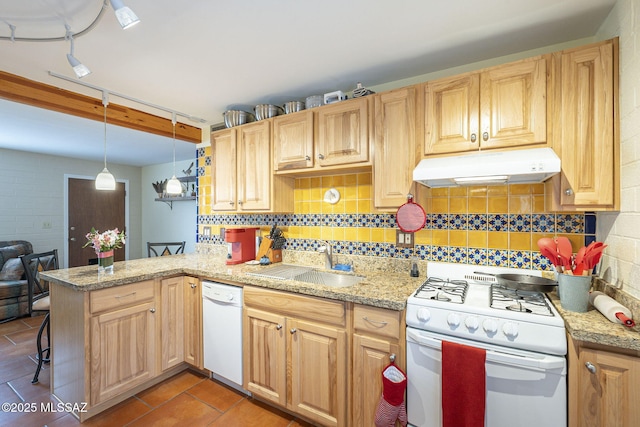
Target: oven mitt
391 406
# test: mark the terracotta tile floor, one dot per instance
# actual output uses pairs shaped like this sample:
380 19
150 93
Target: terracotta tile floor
186 399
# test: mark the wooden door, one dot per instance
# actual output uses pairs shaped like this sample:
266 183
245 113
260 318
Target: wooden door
88 207
193 322
343 133
607 392
293 141
265 363
513 104
223 163
395 146
172 321
318 372
370 357
254 167
452 112
122 350
589 157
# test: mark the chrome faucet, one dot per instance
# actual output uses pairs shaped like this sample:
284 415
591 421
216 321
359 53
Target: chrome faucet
328 251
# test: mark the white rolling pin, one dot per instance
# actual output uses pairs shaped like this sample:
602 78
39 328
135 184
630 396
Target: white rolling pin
611 309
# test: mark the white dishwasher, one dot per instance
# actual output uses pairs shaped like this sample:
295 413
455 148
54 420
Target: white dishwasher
222 332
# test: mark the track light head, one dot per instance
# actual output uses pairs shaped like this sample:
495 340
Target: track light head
125 16
79 68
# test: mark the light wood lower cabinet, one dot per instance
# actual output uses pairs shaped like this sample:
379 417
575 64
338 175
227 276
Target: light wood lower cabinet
172 321
296 353
378 334
603 386
193 322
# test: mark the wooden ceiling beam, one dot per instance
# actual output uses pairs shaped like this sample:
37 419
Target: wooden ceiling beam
19 89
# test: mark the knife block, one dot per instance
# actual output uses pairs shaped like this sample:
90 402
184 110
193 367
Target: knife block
275 255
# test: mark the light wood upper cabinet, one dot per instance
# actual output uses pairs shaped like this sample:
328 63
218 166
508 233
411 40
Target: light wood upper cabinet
296 353
241 169
586 131
395 127
193 322
293 141
500 107
172 321
603 387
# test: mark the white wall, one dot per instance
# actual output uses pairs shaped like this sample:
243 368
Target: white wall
160 222
32 194
621 231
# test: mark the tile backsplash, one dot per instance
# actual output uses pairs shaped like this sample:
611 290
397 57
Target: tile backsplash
495 225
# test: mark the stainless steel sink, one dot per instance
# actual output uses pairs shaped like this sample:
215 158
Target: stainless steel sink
307 274
326 278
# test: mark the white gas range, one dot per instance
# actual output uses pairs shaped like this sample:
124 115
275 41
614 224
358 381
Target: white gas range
522 333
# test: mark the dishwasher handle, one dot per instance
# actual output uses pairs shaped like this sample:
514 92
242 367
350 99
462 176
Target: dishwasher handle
546 363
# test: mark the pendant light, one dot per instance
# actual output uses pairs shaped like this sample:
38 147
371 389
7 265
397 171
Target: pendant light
104 180
174 186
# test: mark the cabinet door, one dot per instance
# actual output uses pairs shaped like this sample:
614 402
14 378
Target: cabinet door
265 357
452 111
395 146
343 133
122 350
609 395
370 357
589 157
513 109
223 162
318 372
293 141
172 322
254 166
193 322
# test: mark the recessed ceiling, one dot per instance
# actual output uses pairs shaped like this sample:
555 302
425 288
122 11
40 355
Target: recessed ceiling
202 57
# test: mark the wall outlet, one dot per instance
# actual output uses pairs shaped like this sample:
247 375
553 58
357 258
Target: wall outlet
206 231
404 240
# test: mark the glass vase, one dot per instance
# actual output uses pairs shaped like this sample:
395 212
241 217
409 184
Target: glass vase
105 262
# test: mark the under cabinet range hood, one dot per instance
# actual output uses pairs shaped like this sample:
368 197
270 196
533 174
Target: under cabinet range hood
488 168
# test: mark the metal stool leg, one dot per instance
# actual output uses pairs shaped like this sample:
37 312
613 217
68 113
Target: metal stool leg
41 359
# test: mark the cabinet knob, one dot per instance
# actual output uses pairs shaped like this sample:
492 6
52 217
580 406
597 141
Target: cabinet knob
307 158
485 136
239 202
278 327
321 156
568 192
590 367
231 203
153 310
293 331
73 239
193 286
473 137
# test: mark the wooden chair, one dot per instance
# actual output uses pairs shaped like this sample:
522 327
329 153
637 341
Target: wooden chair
38 292
165 248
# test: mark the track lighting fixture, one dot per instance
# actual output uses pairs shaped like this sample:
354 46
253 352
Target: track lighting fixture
104 180
79 68
174 186
125 16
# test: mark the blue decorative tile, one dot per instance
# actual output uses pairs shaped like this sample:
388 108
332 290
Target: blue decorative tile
440 253
519 259
458 255
458 222
478 222
590 223
497 222
477 256
543 223
439 221
207 161
570 223
519 222
497 257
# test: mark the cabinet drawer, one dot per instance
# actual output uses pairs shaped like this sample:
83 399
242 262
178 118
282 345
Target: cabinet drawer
378 321
120 296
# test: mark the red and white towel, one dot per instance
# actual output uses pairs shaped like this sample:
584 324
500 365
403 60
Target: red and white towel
463 385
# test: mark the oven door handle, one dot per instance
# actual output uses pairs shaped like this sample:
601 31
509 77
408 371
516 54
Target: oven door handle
546 363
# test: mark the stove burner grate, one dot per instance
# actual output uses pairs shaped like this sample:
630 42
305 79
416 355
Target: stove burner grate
443 290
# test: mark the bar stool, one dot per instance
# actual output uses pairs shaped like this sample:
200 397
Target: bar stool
165 248
38 292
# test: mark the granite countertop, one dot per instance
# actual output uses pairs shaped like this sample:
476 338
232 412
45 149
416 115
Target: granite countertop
388 290
593 327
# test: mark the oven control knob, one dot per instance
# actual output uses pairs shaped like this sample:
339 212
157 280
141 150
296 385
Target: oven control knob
453 320
490 326
423 314
471 323
510 330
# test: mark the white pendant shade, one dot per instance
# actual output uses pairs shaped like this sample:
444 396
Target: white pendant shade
105 181
174 186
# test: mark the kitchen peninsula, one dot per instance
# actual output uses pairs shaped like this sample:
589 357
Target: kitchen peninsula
115 335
